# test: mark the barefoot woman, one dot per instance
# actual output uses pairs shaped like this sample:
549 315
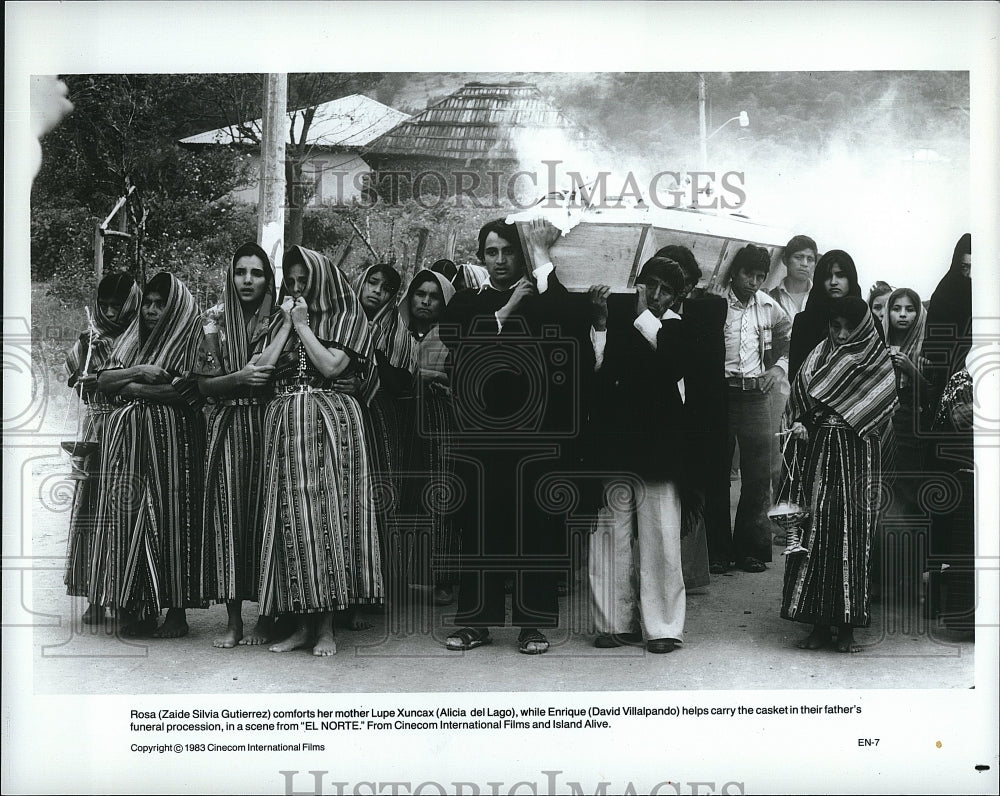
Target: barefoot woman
842 399
149 511
234 372
320 551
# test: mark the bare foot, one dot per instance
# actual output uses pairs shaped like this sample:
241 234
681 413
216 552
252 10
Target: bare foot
300 639
262 633
819 638
94 615
326 644
845 640
232 637
174 626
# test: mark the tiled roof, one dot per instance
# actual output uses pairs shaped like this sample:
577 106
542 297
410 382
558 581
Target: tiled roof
480 121
351 122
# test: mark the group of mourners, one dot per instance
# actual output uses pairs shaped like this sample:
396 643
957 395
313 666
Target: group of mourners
318 447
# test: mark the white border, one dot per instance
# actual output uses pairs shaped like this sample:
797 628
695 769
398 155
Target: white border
184 37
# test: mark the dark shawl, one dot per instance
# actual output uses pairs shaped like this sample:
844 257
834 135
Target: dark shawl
948 336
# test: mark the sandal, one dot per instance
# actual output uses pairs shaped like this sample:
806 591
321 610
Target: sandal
532 642
468 638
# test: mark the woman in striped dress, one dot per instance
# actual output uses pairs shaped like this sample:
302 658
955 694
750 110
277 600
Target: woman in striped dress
433 563
146 553
903 323
841 401
234 373
320 551
118 298
390 410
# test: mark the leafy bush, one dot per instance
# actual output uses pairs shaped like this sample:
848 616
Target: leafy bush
61 238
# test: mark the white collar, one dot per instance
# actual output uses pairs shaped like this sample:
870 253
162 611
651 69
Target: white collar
488 285
734 300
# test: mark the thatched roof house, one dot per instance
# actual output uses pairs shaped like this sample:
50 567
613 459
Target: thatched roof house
479 129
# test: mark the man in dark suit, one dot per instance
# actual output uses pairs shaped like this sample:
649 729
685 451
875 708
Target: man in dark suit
518 359
637 421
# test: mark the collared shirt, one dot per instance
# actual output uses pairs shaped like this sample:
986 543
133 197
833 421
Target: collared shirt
743 330
759 324
541 275
791 303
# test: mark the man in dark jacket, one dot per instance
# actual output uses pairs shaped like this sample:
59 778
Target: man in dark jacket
637 419
515 344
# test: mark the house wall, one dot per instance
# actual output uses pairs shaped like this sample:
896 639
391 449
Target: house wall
334 175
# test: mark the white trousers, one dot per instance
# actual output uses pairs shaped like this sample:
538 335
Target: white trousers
635 561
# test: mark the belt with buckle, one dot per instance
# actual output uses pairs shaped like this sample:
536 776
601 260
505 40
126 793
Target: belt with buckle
295 389
744 383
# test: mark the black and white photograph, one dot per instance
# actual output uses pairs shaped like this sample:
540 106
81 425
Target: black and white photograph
383 418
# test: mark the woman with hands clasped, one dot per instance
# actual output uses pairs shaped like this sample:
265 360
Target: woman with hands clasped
320 549
234 371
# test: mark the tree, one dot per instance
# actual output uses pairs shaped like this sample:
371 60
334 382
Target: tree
240 102
123 132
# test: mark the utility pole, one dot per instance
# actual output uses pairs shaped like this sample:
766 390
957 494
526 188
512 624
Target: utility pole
271 207
702 126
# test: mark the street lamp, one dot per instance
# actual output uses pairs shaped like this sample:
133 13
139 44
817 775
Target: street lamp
743 119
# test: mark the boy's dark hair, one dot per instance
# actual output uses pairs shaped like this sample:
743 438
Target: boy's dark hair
797 244
662 268
750 258
684 257
506 231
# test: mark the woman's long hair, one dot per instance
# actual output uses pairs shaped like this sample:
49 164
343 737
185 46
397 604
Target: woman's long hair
240 337
818 300
913 340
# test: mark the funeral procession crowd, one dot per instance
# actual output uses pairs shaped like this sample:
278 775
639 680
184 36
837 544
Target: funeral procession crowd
322 447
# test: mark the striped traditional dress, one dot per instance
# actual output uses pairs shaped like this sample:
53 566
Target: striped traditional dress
844 394
149 510
431 543
96 344
234 469
320 548
390 420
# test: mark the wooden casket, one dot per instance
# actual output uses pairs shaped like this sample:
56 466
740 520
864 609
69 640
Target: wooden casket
609 246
